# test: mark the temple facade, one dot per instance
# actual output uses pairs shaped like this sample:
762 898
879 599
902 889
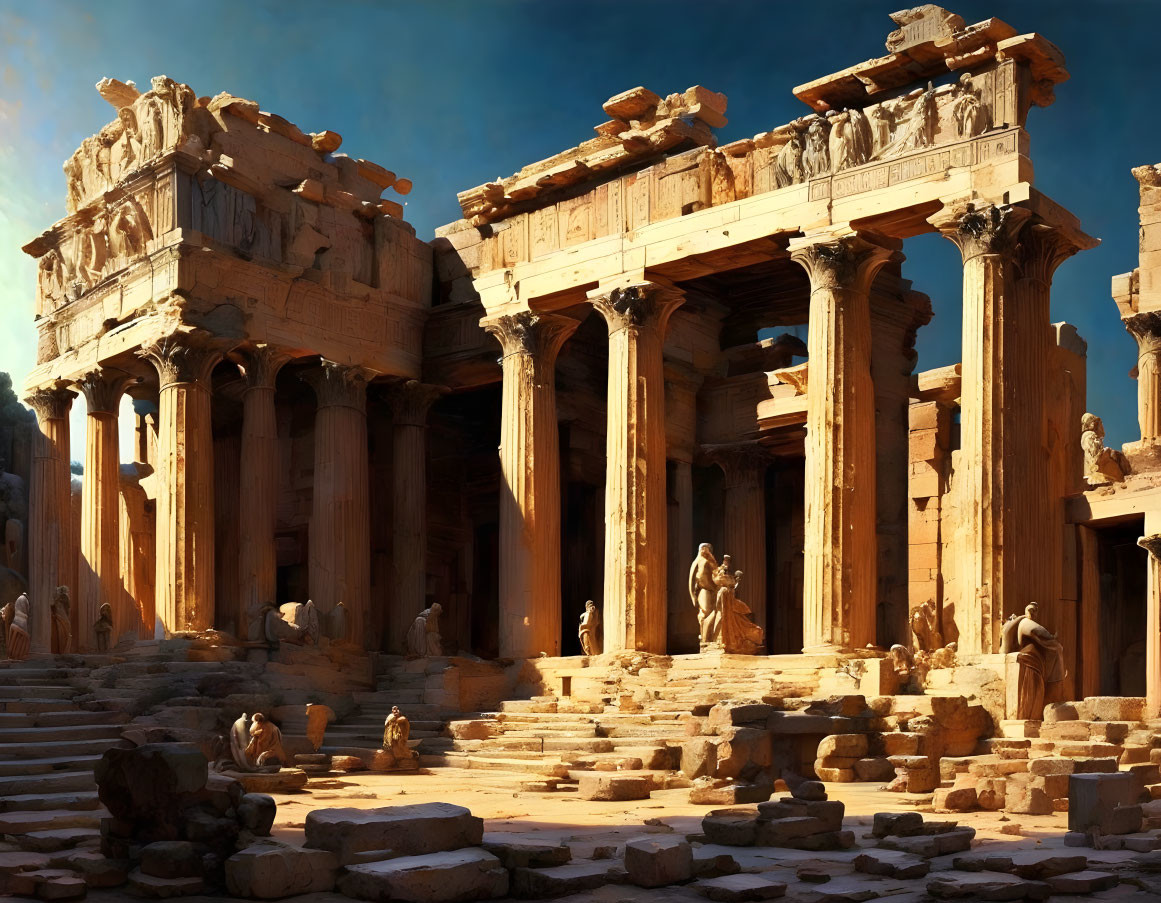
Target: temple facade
640 344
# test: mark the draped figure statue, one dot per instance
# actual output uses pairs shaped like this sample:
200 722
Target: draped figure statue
1040 657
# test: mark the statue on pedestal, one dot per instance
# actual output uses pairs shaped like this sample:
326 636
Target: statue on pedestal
739 634
1041 660
423 637
589 632
396 732
62 631
703 595
103 628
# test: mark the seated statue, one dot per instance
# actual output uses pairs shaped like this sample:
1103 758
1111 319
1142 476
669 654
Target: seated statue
740 635
265 746
103 628
62 629
589 633
19 638
1101 465
1041 660
396 731
423 637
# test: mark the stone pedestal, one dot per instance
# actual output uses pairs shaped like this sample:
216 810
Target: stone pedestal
260 469
185 484
634 611
99 577
839 592
530 591
410 402
340 523
50 499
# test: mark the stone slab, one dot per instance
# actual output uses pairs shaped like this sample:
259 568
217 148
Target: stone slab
451 876
405 830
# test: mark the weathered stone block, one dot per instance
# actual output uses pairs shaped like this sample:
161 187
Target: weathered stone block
658 861
272 871
740 888
405 830
613 787
853 746
451 876
1093 799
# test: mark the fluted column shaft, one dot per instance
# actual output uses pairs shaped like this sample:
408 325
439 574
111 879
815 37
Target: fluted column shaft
258 480
840 543
745 521
99 577
340 521
50 502
1146 329
681 629
1152 544
635 607
184 577
530 590
410 402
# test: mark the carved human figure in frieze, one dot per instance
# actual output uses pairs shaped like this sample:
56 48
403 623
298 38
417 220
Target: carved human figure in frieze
129 144
917 128
128 231
106 140
1041 660
589 632
1101 465
788 164
152 120
816 155
703 594
851 142
75 179
969 111
882 124
51 278
93 252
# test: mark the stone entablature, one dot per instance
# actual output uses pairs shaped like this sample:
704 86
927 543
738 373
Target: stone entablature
294 245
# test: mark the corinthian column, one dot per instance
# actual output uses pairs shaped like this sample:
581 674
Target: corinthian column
987 239
340 520
744 536
258 479
530 497
185 483
635 505
839 549
50 501
99 578
410 401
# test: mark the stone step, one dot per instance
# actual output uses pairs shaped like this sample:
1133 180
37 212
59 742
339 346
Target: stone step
49 765
520 766
76 747
541 733
74 732
48 783
49 820
35 802
24 691
24 706
15 720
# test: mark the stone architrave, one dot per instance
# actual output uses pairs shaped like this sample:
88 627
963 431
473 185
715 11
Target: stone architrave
184 575
50 542
98 576
410 401
635 606
1152 544
530 591
340 521
744 466
839 550
258 478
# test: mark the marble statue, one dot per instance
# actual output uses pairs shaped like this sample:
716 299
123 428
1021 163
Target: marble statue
423 637
396 731
589 632
1041 660
739 634
703 594
239 739
103 627
1101 465
851 140
265 746
62 631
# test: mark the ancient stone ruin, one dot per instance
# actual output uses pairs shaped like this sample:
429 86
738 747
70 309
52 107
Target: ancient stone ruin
439 559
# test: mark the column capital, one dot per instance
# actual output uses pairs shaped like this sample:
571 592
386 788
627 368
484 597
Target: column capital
410 400
50 403
339 385
540 335
1043 247
743 463
640 305
182 358
1146 329
842 261
981 229
260 365
1152 545
103 388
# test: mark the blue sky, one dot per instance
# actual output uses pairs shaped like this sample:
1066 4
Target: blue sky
450 94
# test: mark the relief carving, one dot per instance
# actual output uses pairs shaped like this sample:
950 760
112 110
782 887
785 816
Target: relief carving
851 141
128 230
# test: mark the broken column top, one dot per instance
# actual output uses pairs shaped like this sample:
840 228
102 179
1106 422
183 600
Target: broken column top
642 125
931 41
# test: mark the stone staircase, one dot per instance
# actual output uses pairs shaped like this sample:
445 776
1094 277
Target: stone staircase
49 746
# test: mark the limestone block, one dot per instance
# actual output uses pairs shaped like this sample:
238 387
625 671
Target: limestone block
171 859
896 824
256 813
444 877
608 786
839 775
779 833
144 885
892 864
561 880
515 851
1114 708
658 861
96 869
873 769
730 827
724 792
272 871
1054 786
898 743
954 799
144 782
991 793
981 886
345 764
852 746
1051 765
809 791
1083 882
730 714
699 757
1094 766
740 888
709 863
1093 800
405 830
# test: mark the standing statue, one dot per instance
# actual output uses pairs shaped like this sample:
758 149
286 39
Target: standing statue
703 595
62 630
19 633
816 156
968 110
589 633
1041 660
882 123
423 637
396 732
917 131
103 627
1101 465
239 740
265 747
739 634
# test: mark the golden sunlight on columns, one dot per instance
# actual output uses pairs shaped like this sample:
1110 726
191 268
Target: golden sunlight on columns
635 605
340 519
1146 329
98 576
530 615
682 383
184 576
1152 626
50 503
258 479
840 543
410 402
987 240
